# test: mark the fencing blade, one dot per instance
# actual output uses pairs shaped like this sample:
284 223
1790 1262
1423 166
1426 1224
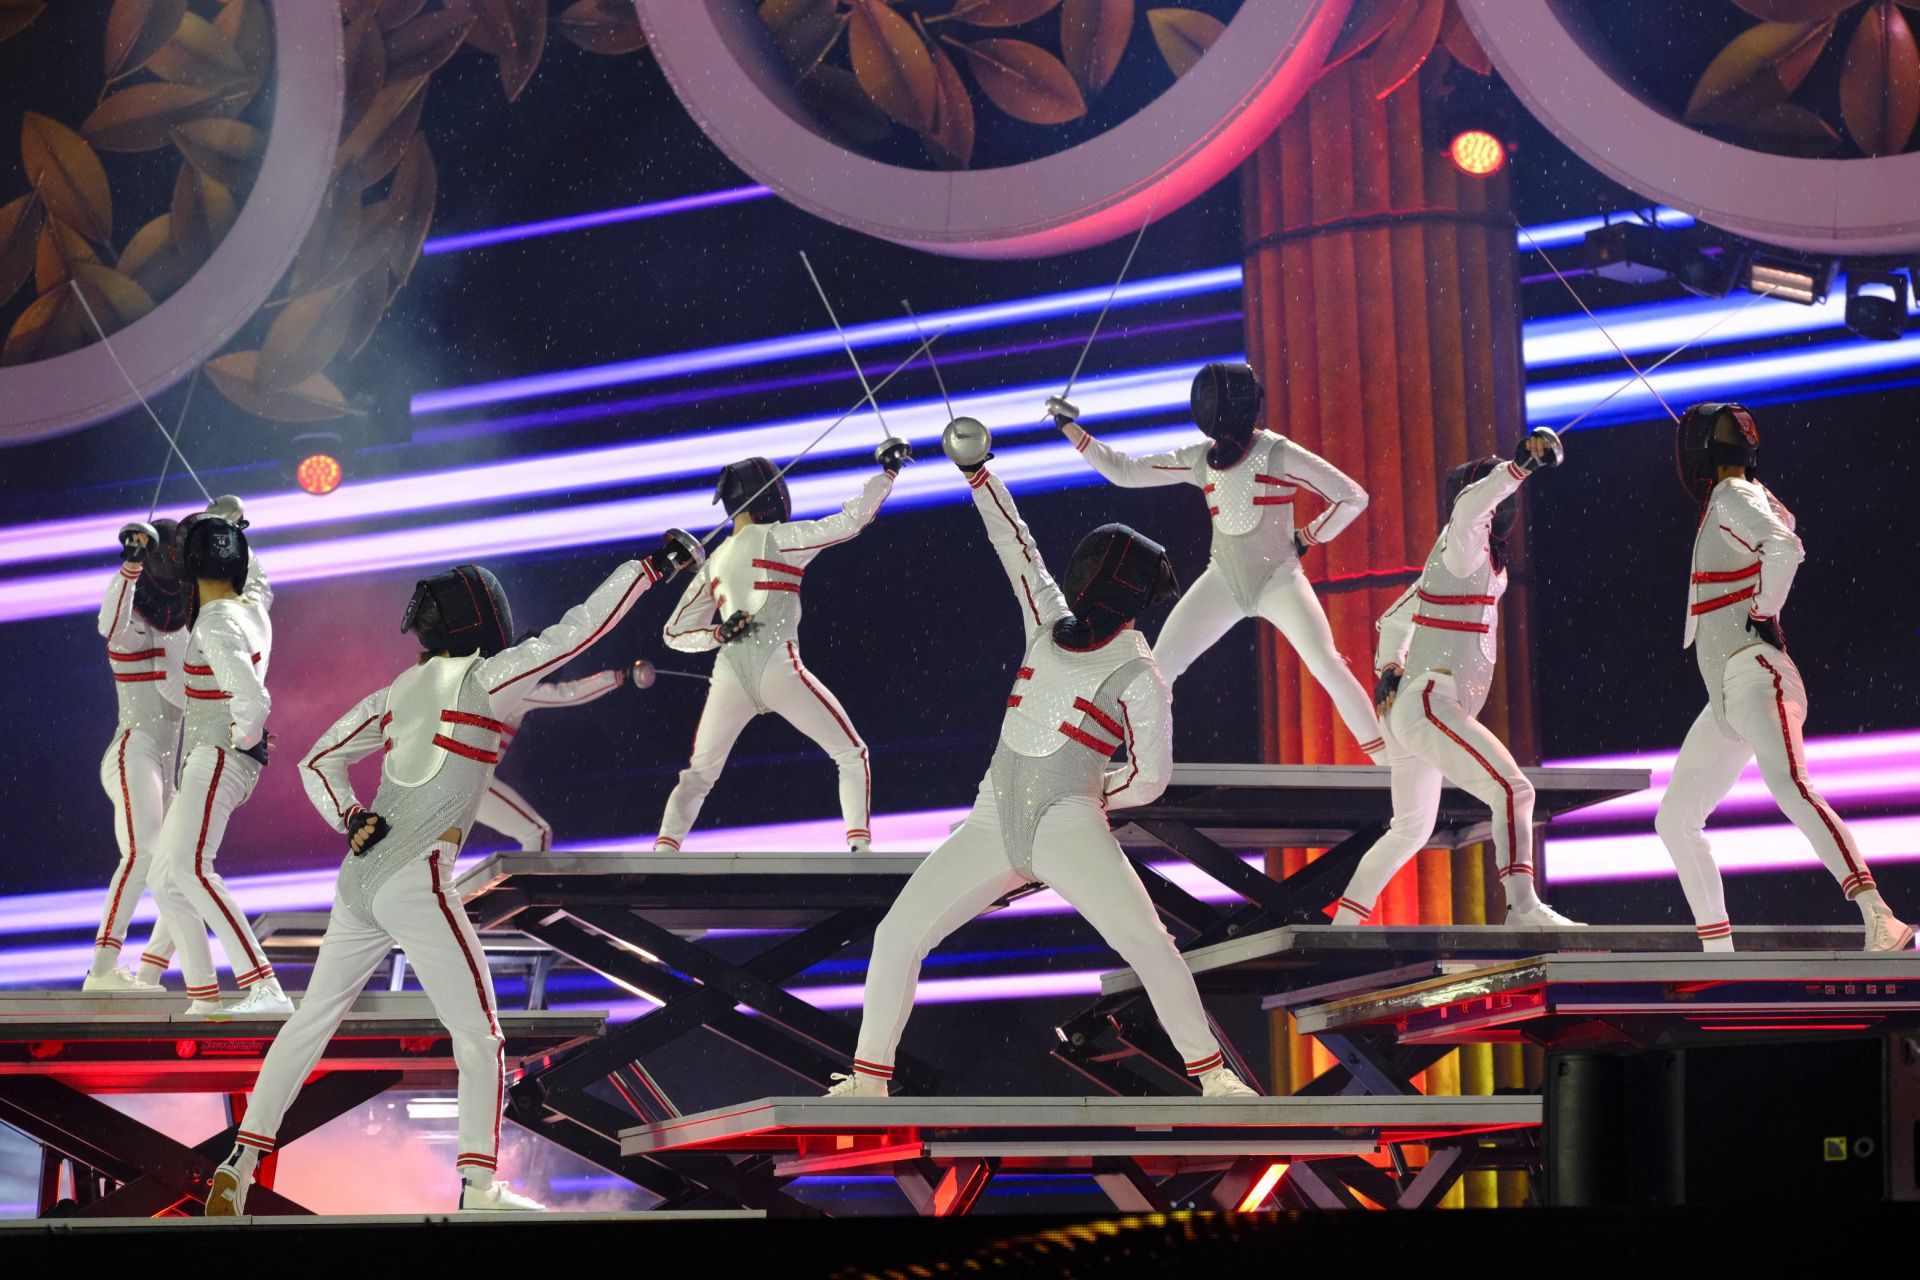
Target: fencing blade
113 355
918 333
857 370
1101 319
1568 284
166 460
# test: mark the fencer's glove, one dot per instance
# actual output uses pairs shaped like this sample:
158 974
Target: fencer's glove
892 454
258 751
132 550
1768 629
1386 687
359 819
1064 414
1552 456
738 624
1300 544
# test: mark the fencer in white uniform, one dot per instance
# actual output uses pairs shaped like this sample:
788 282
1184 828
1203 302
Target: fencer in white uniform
1250 479
224 748
503 808
1087 686
1745 556
1435 660
439 727
143 619
752 585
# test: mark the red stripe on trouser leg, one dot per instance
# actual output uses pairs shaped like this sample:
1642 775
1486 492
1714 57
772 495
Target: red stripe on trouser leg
239 927
133 848
1720 930
1513 846
158 962
1814 802
793 656
107 944
479 991
1204 1065
1362 911
669 841
873 1069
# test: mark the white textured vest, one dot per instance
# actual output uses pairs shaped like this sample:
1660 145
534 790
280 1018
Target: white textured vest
1456 625
1056 698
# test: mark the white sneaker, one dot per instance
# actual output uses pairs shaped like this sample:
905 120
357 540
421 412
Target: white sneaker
857 1085
1540 916
1723 946
121 979
263 997
227 1197
1222 1083
498 1198
207 1008
859 846
1885 932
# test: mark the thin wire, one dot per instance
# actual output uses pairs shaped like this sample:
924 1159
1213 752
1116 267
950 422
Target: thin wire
1695 340
925 344
944 397
115 356
858 371
1596 324
166 462
1138 236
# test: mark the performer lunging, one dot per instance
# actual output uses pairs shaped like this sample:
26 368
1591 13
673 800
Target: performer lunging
143 619
440 727
1250 479
1745 555
1435 663
503 808
225 746
752 584
1087 686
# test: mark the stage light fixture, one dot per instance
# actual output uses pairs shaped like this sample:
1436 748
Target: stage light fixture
1780 275
318 471
1636 253
1877 303
1477 153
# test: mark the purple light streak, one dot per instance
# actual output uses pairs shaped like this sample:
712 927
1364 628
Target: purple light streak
585 221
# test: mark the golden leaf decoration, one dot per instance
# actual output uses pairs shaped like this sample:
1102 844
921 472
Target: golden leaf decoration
53 325
603 26
397 13
155 262
1459 40
515 33
1025 81
1757 69
892 64
332 235
416 187
951 141
422 46
303 339
1795 10
837 99
374 146
1789 130
227 151
1400 54
1001 13
1365 24
1184 36
314 400
1093 38
202 213
803 30
243 23
199 55
56 254
136 29
20 220
367 303
142 118
68 175
1880 82
16 14
366 66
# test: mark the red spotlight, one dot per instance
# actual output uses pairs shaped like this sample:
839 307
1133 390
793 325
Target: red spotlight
1477 153
320 473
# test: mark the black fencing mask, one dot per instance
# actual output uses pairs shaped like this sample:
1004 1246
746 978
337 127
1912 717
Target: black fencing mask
1226 401
1503 515
159 595
213 547
741 481
1711 436
463 611
1113 577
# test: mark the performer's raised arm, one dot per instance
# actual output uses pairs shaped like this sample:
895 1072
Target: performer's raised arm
576 693
1041 601
801 537
513 674
1147 471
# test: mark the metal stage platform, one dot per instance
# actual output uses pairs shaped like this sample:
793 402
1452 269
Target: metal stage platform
291 939
57 1049
1146 1154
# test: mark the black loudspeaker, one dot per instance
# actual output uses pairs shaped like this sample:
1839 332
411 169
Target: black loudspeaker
1820 1122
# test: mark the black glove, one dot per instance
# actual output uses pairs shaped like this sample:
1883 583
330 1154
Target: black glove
1300 543
739 623
258 751
359 820
1386 685
1523 457
892 454
1062 412
133 552
1768 629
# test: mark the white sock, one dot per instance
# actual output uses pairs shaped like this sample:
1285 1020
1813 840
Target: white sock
243 1159
104 959
1871 904
1518 887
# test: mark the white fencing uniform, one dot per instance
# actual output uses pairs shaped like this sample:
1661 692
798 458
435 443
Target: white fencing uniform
1254 568
440 726
227 705
1040 813
1443 631
759 569
1745 555
504 809
137 771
